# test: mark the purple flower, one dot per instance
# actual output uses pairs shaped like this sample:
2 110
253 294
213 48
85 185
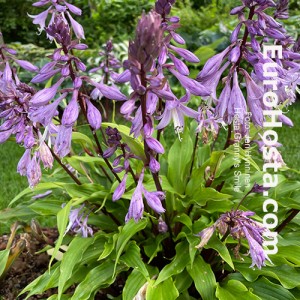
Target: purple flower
62 145
136 207
27 65
240 225
155 145
254 100
45 155
179 65
237 102
192 85
78 219
154 165
162 226
33 171
40 19
71 112
45 114
154 200
212 65
74 9
285 120
120 190
24 162
78 29
42 97
176 111
4 135
258 188
186 54
222 105
93 115
110 92
257 253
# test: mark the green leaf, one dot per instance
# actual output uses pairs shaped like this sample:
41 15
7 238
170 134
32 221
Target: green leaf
132 258
202 195
234 290
241 154
288 276
183 281
3 260
55 297
184 219
101 276
204 278
179 158
46 207
176 266
133 284
109 246
44 186
86 190
266 289
82 139
71 259
153 246
62 222
164 290
217 245
43 282
21 212
126 232
291 253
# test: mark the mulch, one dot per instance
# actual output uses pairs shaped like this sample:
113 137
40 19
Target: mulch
27 267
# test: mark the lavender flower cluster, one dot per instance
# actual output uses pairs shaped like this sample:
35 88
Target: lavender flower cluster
26 112
239 225
259 28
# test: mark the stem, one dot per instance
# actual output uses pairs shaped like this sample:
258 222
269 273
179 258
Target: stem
118 223
130 169
245 196
159 131
193 155
146 149
144 113
99 148
228 141
292 215
246 33
77 181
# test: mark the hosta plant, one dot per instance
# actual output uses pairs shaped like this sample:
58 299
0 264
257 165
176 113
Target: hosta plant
181 193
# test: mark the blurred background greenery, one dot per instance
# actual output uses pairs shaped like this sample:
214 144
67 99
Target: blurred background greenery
206 27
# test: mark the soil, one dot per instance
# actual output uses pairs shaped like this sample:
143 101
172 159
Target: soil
27 267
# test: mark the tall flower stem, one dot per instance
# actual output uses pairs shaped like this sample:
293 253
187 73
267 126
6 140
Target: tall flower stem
77 181
292 215
99 148
246 33
242 200
146 149
193 155
144 113
228 140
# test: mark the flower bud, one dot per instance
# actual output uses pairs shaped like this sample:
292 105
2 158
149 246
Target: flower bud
93 115
120 190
